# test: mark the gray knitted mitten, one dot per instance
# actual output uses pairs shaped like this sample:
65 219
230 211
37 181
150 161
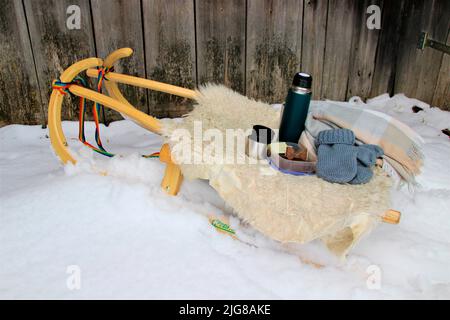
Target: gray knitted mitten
336 155
367 155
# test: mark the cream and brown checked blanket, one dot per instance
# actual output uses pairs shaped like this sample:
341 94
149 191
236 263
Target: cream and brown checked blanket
402 146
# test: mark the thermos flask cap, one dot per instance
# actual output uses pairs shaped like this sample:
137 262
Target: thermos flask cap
302 80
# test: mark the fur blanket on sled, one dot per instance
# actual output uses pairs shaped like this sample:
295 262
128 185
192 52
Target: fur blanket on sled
284 207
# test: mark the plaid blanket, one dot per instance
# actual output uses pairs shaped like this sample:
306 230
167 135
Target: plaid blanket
402 146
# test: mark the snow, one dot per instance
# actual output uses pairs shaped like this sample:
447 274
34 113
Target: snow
128 239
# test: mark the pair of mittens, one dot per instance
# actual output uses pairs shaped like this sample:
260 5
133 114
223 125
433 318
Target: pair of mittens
340 161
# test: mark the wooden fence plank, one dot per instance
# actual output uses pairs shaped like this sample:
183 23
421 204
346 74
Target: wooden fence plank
20 100
363 52
274 38
441 96
341 15
254 46
387 50
56 47
118 24
221 42
417 70
313 46
170 51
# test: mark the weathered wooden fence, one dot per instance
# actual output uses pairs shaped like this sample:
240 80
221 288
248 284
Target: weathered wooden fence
252 46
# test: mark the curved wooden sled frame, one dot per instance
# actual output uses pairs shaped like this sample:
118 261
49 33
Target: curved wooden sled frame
116 101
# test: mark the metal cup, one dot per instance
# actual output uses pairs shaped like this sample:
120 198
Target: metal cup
258 141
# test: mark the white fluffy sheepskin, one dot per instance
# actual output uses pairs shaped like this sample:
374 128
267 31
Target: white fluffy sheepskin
284 207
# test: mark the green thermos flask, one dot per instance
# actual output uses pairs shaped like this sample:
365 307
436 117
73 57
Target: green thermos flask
295 108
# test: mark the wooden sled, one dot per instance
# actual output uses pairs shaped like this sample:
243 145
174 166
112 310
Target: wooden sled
172 179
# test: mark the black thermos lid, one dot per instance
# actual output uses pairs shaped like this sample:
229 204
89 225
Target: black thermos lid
302 80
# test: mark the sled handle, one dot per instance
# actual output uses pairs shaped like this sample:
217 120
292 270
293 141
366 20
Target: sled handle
148 122
115 78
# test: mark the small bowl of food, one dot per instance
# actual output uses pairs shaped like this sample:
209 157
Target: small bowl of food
293 160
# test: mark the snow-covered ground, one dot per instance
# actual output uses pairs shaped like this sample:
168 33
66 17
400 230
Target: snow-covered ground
125 238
